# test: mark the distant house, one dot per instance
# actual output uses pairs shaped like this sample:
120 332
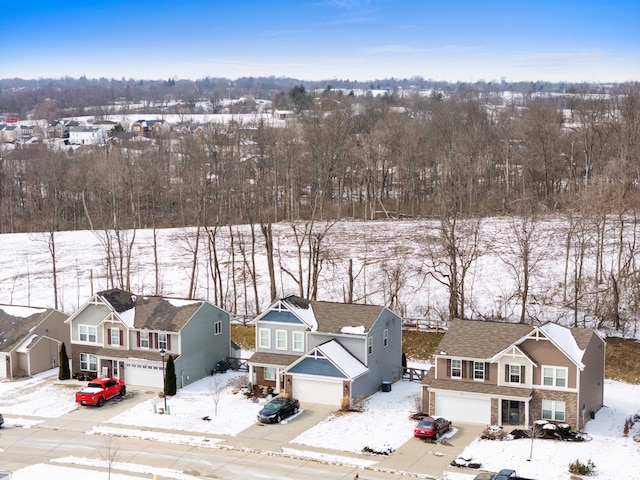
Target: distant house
87 136
116 333
30 340
514 374
326 352
10 133
62 128
149 128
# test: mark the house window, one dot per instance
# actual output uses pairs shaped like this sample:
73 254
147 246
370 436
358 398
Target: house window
269 373
114 337
385 337
553 410
554 377
514 373
88 362
298 341
456 368
162 341
88 333
478 370
264 337
281 339
370 345
217 328
144 339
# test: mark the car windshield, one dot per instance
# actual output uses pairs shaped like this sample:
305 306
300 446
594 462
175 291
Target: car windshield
426 423
95 385
273 406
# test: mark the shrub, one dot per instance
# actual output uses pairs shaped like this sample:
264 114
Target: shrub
63 372
579 468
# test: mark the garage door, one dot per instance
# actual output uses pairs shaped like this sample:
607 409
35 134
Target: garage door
464 409
318 391
143 374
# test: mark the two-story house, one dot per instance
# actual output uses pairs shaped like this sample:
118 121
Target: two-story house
149 128
513 374
326 352
30 340
118 334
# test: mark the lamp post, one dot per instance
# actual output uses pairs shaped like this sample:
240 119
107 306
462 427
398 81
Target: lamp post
164 382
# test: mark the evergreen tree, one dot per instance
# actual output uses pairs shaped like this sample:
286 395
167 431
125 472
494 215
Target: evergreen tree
63 371
170 382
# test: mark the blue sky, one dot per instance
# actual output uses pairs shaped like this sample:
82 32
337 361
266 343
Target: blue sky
457 40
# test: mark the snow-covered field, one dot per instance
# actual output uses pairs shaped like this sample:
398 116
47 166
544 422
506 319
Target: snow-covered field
389 262
384 425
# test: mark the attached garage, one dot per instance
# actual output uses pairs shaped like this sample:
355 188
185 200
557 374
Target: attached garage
318 390
464 409
143 374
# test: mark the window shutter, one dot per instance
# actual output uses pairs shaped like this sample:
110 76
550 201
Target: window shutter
155 340
108 336
506 373
168 342
448 367
121 337
522 374
138 338
486 371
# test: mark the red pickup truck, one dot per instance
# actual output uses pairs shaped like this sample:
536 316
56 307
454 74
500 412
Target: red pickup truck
100 390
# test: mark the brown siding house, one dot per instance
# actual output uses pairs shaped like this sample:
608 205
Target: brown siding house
514 374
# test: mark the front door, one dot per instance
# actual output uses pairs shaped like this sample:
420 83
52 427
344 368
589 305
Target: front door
510 412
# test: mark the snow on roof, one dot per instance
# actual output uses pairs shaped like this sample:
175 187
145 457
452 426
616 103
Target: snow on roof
354 330
22 348
305 314
22 312
128 317
342 358
177 302
565 341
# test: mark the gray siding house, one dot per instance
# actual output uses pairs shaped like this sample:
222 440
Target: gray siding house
326 352
118 334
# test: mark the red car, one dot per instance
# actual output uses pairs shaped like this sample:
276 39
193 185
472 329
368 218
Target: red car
432 427
100 390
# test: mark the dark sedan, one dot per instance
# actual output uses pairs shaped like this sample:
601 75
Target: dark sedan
432 427
277 409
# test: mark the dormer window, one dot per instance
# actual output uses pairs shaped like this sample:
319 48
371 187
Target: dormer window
514 373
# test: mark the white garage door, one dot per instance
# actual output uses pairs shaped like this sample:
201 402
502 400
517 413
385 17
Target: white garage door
318 391
143 374
464 409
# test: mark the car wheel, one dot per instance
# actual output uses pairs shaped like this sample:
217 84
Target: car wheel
101 401
278 419
123 391
436 436
295 410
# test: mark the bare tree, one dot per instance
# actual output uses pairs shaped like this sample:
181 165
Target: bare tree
525 250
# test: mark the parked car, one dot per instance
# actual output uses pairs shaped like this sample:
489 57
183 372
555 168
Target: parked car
1 420
504 474
432 427
277 409
100 390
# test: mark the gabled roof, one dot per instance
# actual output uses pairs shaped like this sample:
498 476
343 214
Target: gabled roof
329 359
487 340
150 313
327 317
17 322
478 339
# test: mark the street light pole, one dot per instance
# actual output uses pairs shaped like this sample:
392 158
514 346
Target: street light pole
164 381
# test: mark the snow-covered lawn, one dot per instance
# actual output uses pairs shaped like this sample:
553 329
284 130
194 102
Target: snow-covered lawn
384 424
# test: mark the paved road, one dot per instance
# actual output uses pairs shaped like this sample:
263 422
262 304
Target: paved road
256 453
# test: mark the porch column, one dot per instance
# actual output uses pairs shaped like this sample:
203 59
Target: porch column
526 413
278 382
499 412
